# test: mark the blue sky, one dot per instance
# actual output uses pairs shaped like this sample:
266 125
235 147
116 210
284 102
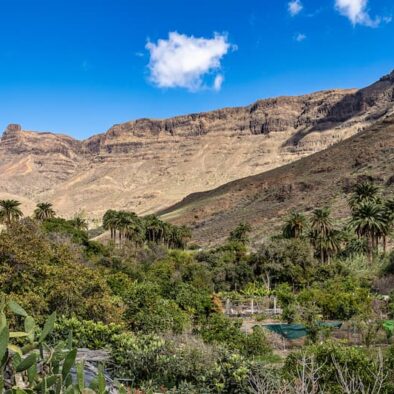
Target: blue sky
79 66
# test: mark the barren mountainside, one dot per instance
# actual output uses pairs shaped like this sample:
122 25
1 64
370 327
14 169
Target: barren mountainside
147 165
323 179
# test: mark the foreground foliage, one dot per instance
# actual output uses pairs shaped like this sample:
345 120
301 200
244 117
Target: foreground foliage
29 365
157 306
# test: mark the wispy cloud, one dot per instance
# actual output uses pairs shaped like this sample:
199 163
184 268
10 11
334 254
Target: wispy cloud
217 84
356 11
184 61
295 7
299 37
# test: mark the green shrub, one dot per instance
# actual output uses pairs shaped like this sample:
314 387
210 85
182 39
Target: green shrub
285 261
192 300
45 276
256 343
177 363
338 298
86 333
63 226
120 283
222 330
135 357
147 311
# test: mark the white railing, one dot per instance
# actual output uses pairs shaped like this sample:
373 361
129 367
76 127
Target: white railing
253 306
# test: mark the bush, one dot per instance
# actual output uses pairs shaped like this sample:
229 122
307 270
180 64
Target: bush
192 300
285 261
119 282
228 266
86 333
219 329
256 343
63 226
178 363
331 360
45 276
136 357
338 298
147 311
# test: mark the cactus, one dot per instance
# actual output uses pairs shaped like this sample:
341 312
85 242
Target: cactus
29 365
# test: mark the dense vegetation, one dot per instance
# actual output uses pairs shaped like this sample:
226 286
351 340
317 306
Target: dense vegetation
157 305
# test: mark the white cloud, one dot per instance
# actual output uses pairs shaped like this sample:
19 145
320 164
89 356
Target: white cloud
300 37
295 7
356 11
183 61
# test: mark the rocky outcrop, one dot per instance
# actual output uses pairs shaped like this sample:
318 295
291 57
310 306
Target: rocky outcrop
16 141
148 164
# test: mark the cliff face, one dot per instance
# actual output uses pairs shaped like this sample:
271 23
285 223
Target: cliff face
146 165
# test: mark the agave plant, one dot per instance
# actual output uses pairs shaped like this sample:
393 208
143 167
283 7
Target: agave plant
29 365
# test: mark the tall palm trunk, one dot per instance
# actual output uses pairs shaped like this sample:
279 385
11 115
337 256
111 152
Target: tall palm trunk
8 220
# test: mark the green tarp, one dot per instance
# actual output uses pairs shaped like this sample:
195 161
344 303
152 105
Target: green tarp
295 331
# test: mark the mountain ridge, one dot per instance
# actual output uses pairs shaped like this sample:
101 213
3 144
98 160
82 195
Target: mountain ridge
147 165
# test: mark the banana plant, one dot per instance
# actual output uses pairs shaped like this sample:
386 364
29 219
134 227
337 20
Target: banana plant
29 365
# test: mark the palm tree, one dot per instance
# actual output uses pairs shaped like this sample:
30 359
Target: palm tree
44 211
321 221
365 191
154 228
126 223
135 232
322 233
185 235
295 225
329 244
178 237
241 233
80 223
369 221
109 222
10 211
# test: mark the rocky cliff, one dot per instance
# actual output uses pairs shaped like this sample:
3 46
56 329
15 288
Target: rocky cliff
147 165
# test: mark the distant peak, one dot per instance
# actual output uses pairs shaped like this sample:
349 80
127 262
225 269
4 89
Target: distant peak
11 134
13 128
